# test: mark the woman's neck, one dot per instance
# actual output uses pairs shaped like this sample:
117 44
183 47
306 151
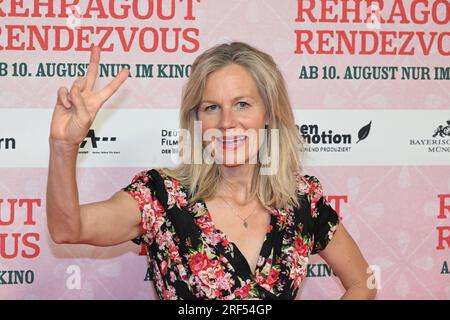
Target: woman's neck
236 183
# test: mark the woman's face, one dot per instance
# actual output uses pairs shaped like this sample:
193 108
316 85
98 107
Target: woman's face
231 113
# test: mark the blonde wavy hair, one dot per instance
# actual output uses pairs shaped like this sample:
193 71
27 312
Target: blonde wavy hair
277 190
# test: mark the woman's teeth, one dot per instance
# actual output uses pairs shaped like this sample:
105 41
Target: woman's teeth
233 140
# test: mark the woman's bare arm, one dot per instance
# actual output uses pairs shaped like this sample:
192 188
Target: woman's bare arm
346 260
102 223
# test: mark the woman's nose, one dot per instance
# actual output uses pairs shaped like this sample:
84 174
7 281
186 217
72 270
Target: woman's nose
227 118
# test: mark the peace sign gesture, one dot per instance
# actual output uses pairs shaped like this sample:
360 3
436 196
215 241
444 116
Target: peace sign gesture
75 111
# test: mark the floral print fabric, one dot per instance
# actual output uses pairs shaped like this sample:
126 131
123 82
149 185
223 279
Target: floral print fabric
190 259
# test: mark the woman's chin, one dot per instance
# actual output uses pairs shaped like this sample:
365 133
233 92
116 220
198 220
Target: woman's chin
232 163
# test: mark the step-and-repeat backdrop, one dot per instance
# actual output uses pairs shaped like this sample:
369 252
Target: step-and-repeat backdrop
369 82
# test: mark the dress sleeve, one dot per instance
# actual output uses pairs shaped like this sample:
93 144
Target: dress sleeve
152 211
325 218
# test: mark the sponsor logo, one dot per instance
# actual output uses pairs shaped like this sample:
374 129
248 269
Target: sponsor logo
98 145
438 142
169 141
317 140
7 143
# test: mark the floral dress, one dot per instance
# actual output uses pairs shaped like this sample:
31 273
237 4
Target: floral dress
189 258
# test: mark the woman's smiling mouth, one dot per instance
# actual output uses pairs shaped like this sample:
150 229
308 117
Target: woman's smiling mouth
231 142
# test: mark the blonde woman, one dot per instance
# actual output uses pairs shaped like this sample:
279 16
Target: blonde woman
235 219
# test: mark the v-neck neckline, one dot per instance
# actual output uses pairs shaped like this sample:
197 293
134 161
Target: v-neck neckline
233 247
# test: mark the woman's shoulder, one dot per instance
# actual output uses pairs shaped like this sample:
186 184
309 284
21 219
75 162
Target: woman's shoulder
153 174
308 185
162 185
156 179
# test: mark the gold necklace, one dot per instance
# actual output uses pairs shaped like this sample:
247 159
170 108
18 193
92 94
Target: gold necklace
244 220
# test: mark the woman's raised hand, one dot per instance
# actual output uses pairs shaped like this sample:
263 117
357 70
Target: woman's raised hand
76 109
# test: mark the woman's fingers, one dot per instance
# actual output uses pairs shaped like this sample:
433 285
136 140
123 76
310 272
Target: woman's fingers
63 97
80 82
112 87
92 71
86 84
78 102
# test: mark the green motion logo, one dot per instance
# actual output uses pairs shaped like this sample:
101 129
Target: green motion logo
328 140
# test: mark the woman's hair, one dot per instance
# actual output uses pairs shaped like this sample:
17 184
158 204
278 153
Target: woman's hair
274 190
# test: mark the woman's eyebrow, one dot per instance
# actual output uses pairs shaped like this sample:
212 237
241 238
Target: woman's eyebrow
234 99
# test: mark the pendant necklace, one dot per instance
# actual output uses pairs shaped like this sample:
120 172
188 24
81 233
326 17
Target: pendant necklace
244 220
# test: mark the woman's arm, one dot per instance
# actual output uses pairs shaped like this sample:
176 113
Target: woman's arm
101 223
63 209
345 259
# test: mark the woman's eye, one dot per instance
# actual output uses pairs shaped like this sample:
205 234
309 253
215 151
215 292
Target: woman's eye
243 104
211 108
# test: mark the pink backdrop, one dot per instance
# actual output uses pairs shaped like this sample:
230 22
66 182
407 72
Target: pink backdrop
393 186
